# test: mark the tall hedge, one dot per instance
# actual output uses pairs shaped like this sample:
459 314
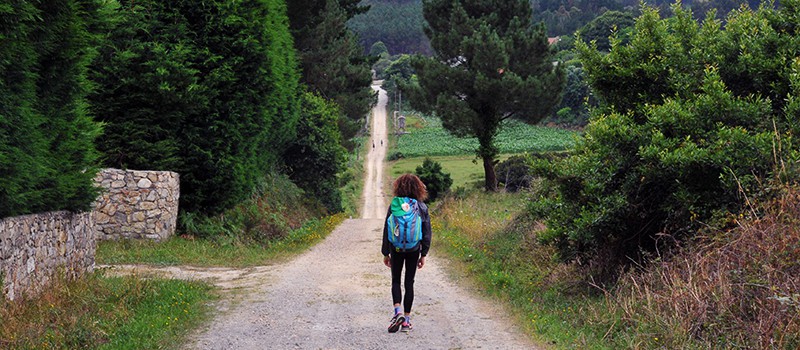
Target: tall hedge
47 156
207 89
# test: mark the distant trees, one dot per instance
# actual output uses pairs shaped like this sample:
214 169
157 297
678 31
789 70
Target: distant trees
490 65
209 90
694 121
47 156
397 23
601 28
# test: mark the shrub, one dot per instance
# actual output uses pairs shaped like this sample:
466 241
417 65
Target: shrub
730 289
677 144
436 181
396 156
514 173
316 158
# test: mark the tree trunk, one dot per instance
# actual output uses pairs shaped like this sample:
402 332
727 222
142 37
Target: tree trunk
488 170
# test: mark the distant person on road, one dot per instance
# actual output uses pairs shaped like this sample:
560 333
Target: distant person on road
406 241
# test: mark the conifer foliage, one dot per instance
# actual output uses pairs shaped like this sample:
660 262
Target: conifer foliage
490 65
208 89
47 157
331 59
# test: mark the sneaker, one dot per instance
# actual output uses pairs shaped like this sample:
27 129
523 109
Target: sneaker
406 327
396 322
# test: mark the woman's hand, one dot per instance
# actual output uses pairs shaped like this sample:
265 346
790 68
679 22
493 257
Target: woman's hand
421 262
387 261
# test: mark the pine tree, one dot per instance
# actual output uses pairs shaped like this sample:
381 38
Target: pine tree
490 65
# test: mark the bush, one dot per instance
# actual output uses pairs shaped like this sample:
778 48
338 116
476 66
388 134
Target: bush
316 158
736 288
672 148
277 207
514 173
396 156
436 181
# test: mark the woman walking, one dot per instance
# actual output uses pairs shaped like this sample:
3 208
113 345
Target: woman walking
406 240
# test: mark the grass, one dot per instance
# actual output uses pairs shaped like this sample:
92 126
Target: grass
95 312
462 169
427 137
206 252
487 238
732 289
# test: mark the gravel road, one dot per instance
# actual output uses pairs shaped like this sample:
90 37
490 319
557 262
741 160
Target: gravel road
337 295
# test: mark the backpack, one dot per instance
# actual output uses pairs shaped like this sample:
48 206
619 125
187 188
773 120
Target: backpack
404 223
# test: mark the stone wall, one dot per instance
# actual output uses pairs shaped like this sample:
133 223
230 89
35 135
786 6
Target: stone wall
33 248
137 204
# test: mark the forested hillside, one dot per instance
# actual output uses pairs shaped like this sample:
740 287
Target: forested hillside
399 23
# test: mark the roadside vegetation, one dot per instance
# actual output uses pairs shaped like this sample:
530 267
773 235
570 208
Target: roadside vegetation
671 223
728 289
97 312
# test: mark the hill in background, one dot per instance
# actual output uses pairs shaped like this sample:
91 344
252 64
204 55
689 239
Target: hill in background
398 23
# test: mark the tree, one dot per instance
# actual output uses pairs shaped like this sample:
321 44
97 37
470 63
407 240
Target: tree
379 49
332 62
47 155
210 90
677 144
601 28
490 65
316 157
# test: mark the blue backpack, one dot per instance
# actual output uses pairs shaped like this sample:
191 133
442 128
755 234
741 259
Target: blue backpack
405 223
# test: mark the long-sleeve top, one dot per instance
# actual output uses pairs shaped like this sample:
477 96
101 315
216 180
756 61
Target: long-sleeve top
424 245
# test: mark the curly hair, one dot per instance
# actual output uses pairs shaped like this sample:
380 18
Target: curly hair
409 185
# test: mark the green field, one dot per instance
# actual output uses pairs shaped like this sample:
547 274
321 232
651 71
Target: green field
462 169
427 137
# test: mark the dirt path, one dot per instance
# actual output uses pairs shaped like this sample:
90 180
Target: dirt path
337 295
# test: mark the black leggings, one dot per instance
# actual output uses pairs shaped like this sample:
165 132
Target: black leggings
410 260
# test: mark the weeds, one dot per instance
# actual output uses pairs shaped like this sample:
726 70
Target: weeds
736 289
733 289
104 313
188 250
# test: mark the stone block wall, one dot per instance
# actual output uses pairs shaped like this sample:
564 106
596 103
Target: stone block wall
33 248
136 204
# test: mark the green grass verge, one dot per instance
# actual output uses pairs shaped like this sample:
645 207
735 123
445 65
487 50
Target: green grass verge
96 312
484 238
203 252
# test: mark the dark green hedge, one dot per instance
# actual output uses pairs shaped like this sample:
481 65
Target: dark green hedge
47 156
207 89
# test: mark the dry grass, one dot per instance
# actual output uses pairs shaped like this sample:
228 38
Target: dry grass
95 312
737 289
